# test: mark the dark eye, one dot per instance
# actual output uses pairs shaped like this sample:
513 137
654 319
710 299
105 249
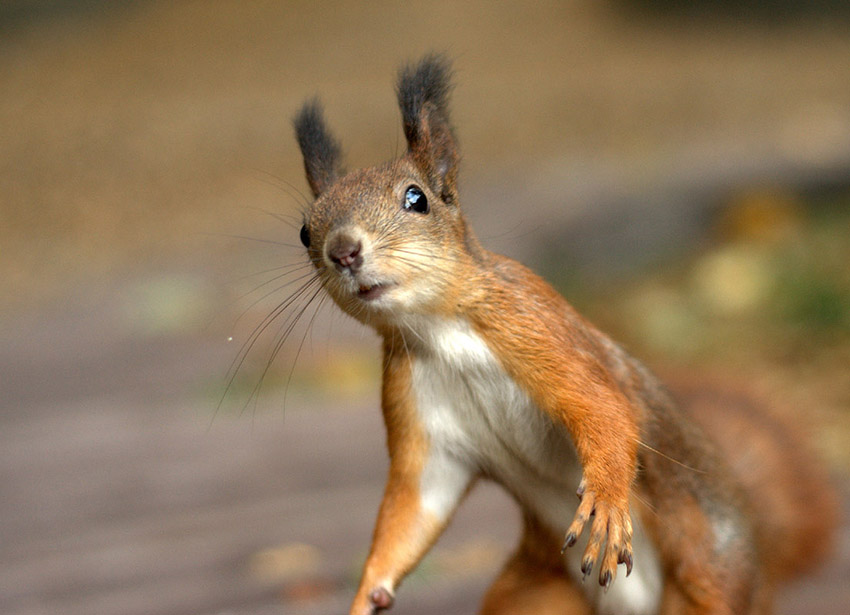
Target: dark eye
415 200
305 236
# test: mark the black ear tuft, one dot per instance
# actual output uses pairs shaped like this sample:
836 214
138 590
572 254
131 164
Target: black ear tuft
423 95
322 153
428 81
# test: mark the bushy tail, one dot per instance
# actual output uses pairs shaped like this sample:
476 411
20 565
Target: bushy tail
794 504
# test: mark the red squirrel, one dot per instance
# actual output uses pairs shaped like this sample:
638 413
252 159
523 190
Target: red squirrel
489 373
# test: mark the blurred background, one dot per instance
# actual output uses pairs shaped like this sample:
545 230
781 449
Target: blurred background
680 170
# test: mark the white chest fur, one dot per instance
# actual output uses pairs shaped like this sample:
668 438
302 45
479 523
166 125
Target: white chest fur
474 411
478 422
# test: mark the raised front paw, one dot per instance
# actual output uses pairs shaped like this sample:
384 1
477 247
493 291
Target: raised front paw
611 528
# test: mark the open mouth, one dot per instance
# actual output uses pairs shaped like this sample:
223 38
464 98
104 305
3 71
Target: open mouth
368 292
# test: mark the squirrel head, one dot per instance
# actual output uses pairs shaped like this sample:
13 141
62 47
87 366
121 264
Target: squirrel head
390 241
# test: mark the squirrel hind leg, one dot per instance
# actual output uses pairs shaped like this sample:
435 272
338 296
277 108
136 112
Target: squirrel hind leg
534 581
526 588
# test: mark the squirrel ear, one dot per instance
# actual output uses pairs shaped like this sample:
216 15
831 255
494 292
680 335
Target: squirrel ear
322 153
423 91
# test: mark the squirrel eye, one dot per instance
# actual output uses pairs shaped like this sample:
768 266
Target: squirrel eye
305 236
415 200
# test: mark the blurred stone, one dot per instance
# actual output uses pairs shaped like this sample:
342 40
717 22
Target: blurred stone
167 304
291 562
733 280
308 590
664 320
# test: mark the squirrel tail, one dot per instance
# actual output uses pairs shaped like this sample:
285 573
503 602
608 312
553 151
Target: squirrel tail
795 505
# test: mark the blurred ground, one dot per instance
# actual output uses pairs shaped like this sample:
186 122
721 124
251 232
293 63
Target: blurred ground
682 177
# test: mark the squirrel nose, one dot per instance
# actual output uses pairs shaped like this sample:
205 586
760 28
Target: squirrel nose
344 251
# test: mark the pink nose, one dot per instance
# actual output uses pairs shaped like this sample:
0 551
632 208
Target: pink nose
344 251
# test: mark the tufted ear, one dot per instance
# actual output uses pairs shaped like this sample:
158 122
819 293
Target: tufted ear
322 153
423 92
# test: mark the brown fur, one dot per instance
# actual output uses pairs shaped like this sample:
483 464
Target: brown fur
534 581
770 458
731 502
403 532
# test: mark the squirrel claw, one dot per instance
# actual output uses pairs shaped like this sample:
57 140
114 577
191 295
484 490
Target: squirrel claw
611 528
625 557
582 487
587 565
569 540
381 599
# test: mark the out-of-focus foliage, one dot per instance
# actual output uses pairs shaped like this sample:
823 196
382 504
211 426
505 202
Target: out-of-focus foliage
774 281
